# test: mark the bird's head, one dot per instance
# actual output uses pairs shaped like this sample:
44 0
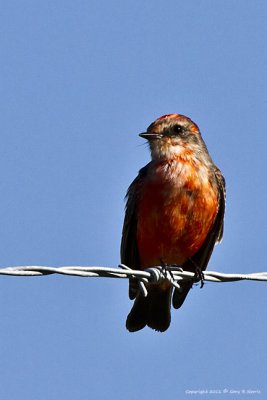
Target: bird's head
173 135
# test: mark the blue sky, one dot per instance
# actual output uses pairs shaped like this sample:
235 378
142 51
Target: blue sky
79 81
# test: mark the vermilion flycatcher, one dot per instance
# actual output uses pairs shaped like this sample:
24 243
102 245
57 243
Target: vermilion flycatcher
174 215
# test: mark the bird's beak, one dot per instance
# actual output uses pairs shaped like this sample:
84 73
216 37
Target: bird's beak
150 135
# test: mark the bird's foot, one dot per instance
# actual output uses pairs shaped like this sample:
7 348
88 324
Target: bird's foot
167 269
199 276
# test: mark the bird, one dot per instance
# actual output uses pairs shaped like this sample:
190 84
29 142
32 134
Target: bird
174 215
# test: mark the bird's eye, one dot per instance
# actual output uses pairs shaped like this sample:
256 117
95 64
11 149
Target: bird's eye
178 129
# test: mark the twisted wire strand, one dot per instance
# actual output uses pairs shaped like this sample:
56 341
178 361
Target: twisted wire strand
173 273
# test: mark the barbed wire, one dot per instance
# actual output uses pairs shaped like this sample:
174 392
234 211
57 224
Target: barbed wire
152 275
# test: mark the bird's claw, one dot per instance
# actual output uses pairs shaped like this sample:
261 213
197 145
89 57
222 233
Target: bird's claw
166 269
199 276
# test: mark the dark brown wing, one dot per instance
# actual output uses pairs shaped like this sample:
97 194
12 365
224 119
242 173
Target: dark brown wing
201 258
129 249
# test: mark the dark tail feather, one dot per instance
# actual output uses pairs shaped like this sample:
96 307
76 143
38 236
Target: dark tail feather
133 288
180 295
159 316
153 310
137 318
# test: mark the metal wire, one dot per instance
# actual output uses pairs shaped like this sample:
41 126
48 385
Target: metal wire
173 273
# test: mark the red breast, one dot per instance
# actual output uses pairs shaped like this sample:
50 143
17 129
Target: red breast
178 204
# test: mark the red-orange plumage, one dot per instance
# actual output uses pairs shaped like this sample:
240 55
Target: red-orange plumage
174 218
174 215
